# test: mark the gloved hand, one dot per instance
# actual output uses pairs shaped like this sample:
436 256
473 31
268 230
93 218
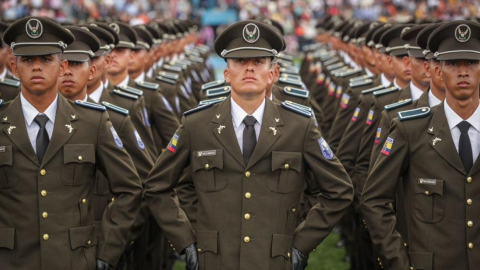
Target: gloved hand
191 257
298 260
101 265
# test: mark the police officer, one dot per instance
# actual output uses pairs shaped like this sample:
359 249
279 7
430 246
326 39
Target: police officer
50 156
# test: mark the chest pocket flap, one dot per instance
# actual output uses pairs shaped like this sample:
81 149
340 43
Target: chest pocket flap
207 167
429 200
79 160
289 176
7 238
8 176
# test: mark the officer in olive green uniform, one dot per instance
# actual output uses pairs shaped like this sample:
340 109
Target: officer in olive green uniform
9 87
48 223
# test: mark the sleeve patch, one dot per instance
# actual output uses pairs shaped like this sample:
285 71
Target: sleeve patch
139 140
116 138
355 115
370 118
172 145
326 151
344 101
377 136
387 147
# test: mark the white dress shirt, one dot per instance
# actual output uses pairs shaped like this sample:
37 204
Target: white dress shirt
433 100
238 114
396 84
30 112
385 81
97 94
415 91
474 132
140 78
124 82
369 73
4 73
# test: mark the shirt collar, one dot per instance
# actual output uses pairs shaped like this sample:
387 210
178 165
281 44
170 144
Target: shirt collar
124 82
30 112
97 94
140 77
395 84
150 72
369 73
4 73
454 119
415 91
432 99
238 114
385 81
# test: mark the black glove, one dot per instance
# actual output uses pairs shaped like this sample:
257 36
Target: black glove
298 260
191 257
101 265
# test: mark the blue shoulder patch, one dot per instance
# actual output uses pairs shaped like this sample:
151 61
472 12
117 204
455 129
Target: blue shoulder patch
221 91
299 106
290 76
330 61
386 91
213 84
125 94
349 72
371 90
163 79
169 75
213 100
399 104
172 68
148 85
291 81
413 114
290 70
131 90
289 106
360 78
10 82
199 108
115 108
296 92
359 83
90 105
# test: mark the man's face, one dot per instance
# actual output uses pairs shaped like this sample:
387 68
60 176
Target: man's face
72 84
437 81
249 76
400 69
121 58
368 57
38 74
418 74
461 77
101 64
387 66
139 60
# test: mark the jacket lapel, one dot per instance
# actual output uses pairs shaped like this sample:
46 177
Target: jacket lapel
441 139
423 100
63 128
15 128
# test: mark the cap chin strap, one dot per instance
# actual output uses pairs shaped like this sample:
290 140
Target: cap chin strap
389 49
437 54
144 44
59 44
89 52
225 52
130 44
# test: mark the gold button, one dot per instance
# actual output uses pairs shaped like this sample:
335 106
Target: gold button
294 210
378 259
289 255
84 201
89 242
80 158
469 179
199 250
411 268
43 172
286 166
44 193
247 174
247 216
246 239
470 224
44 214
248 195
380 263
207 166
113 199
46 237
405 244
470 245
469 201
131 243
427 193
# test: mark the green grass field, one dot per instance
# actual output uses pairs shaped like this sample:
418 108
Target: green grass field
325 257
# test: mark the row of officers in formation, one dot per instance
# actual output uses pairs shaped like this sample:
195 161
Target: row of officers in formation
118 149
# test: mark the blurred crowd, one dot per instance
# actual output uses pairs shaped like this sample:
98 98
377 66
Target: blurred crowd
298 17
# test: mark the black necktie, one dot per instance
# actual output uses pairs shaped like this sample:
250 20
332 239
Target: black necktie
249 137
465 147
42 136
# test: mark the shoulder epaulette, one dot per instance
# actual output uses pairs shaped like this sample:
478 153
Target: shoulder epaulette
196 59
172 68
199 108
220 91
179 64
162 79
290 81
386 91
285 56
290 107
296 92
15 78
348 72
290 70
299 106
10 82
337 71
413 114
131 90
360 83
90 105
213 100
192 52
148 85
371 90
291 76
125 94
115 108
169 75
331 61
213 84
399 104
360 78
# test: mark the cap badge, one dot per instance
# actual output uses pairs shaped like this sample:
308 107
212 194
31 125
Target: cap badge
251 33
115 27
463 33
405 29
34 28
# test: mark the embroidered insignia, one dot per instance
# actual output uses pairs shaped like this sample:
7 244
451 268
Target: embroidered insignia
331 89
73 116
34 28
115 27
377 136
10 128
326 151
116 138
370 118
430 129
277 120
172 145
251 33
355 115
274 130
139 139
220 128
70 128
435 140
463 33
5 118
218 116
146 118
344 101
339 91
387 147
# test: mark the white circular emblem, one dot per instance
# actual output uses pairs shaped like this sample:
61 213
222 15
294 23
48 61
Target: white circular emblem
251 33
34 28
463 33
115 27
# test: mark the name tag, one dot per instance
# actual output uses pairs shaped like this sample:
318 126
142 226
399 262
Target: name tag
423 181
207 153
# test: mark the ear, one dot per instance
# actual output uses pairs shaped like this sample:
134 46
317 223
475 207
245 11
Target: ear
63 67
426 67
226 75
438 71
389 59
108 61
13 66
92 72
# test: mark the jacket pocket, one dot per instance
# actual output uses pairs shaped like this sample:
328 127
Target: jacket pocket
282 245
7 238
8 176
83 237
207 245
429 200
288 178
421 260
207 167
79 164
